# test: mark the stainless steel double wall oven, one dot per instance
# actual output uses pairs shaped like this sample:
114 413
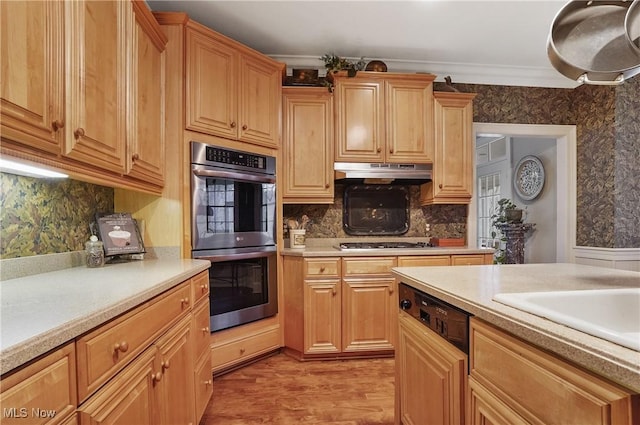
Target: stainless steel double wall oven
233 224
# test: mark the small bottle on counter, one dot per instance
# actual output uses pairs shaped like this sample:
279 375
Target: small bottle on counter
95 252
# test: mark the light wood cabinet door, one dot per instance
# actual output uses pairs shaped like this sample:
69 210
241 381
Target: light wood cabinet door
177 365
43 392
485 409
146 139
359 120
231 91
96 34
556 392
368 313
203 380
260 94
32 63
409 121
452 180
131 397
430 375
211 85
322 316
307 126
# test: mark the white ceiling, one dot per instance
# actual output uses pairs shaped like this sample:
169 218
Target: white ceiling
482 42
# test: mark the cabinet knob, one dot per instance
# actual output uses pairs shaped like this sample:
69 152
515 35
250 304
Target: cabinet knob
322 269
242 350
390 291
233 124
78 133
184 300
208 382
390 150
244 127
135 157
121 346
156 377
165 364
440 185
204 288
205 329
379 150
57 125
327 185
333 291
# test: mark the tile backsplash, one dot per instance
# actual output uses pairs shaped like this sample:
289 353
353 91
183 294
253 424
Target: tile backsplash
46 216
445 221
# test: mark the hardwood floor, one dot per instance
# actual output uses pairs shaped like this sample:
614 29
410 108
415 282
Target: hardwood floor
281 390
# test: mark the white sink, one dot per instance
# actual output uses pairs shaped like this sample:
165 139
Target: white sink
611 314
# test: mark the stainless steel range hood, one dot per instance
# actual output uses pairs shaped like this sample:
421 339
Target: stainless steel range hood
382 173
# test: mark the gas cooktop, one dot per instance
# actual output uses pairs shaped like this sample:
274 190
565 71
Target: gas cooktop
382 245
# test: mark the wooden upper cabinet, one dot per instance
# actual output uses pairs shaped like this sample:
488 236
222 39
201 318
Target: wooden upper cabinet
146 147
307 117
96 34
231 91
32 88
452 181
384 117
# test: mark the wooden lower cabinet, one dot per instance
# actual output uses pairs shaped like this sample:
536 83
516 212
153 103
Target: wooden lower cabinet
512 381
43 392
431 377
322 316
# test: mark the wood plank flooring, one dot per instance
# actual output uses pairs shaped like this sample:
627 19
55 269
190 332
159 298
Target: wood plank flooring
280 390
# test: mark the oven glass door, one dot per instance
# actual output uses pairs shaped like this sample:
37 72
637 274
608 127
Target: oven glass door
231 211
242 288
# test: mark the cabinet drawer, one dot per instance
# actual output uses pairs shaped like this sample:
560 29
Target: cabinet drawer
228 354
108 348
556 392
379 266
49 385
203 385
322 267
467 260
424 260
200 286
201 331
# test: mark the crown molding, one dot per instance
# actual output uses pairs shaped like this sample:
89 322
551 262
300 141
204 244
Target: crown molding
459 72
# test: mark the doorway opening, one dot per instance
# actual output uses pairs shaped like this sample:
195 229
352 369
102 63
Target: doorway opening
498 146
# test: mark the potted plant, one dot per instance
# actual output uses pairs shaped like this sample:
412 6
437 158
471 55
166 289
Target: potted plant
506 212
334 63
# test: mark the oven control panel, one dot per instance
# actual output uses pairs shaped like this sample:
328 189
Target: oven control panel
227 156
448 321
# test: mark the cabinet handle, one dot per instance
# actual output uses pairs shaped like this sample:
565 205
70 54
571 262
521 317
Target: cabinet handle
135 157
244 127
204 288
379 150
121 346
184 300
79 133
156 377
205 329
57 125
322 269
165 364
208 382
233 124
242 350
440 185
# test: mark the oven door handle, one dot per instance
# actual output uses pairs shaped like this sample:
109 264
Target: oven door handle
217 257
233 175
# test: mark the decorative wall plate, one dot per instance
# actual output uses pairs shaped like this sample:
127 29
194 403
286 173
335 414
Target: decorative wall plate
528 178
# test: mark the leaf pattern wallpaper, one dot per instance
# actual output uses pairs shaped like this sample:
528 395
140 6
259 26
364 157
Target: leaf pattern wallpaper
45 216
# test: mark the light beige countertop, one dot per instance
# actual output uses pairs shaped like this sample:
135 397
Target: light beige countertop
472 288
43 311
320 247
